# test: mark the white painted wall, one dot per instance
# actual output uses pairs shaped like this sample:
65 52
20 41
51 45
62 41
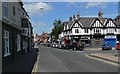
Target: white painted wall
19 13
81 31
96 24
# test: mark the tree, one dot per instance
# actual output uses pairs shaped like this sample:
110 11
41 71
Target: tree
58 27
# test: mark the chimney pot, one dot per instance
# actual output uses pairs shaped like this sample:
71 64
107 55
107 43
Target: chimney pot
70 19
74 17
78 15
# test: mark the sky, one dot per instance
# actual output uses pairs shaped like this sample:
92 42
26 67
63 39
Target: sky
43 14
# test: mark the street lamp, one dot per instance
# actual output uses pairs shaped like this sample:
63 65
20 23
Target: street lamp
41 8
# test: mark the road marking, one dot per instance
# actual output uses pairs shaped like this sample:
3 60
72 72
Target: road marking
34 71
105 61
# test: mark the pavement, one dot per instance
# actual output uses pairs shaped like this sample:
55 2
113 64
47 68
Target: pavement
106 56
22 64
96 48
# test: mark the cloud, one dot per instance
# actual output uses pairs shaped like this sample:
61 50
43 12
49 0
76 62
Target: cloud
38 24
38 8
74 4
94 4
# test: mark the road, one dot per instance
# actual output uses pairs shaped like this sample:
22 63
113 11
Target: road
58 60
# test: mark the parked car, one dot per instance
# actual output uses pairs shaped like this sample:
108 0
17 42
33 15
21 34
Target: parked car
61 46
53 45
75 46
48 44
56 45
118 46
106 47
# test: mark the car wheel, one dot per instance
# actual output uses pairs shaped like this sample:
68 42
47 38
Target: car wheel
74 48
67 48
81 49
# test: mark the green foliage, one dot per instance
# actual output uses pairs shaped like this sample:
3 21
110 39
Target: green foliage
58 27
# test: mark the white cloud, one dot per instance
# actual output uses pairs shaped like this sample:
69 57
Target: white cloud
74 4
37 8
38 24
93 4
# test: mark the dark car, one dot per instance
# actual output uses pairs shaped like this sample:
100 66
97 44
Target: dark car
106 47
75 46
61 46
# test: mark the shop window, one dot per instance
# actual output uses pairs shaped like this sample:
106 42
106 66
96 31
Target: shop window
6 43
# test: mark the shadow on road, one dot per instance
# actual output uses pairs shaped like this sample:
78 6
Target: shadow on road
23 64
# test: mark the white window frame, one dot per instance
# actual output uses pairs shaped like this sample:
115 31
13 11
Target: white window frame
86 30
6 43
18 42
5 6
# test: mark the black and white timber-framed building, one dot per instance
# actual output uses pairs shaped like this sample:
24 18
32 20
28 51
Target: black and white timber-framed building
92 31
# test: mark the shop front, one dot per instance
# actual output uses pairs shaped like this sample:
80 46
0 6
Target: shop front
85 40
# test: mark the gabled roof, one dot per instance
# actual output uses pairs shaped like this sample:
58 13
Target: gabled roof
70 24
117 23
108 22
78 22
101 20
117 20
86 21
118 17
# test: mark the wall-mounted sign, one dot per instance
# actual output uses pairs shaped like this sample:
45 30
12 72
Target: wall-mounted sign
110 36
97 41
85 37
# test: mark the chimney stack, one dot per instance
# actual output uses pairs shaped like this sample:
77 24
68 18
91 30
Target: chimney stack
100 14
70 19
